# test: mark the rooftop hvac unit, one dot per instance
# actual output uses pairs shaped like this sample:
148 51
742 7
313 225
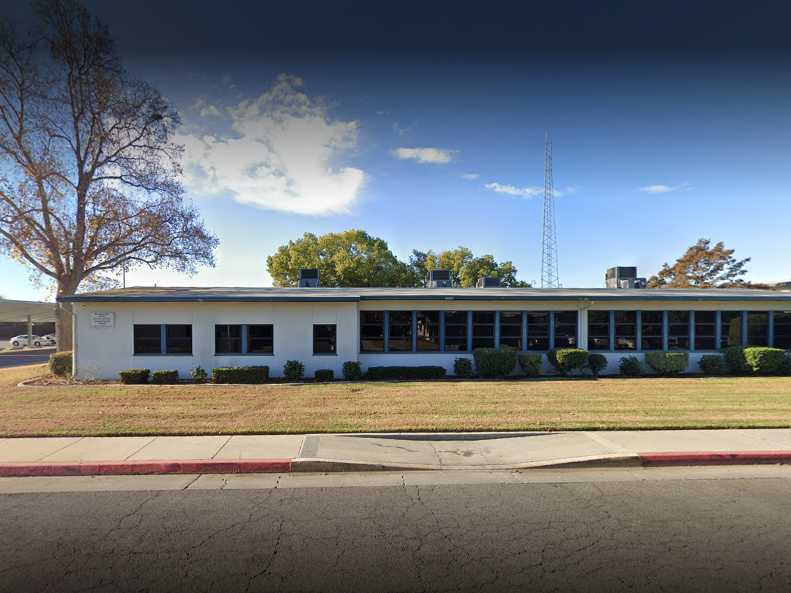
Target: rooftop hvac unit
309 278
488 282
439 279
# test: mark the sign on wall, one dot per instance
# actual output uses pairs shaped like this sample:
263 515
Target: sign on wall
102 319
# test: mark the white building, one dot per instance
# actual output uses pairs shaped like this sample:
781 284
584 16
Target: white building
181 328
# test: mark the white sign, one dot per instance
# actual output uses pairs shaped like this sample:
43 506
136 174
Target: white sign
102 319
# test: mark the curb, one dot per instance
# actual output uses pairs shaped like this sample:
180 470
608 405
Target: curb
133 468
670 458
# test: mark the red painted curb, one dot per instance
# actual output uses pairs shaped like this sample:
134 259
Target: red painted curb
714 457
130 468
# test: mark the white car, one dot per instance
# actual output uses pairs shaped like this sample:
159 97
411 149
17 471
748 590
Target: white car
19 341
49 340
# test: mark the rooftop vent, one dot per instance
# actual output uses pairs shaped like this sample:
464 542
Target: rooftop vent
623 277
439 279
488 282
309 278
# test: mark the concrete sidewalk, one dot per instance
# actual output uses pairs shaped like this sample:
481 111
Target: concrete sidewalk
355 452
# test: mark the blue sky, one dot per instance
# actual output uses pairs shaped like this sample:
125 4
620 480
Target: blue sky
282 142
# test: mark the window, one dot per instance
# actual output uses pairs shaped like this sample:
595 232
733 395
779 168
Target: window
482 329
324 335
566 329
598 330
148 339
178 339
227 339
455 331
625 330
678 330
783 329
651 330
260 339
372 331
427 331
705 330
400 331
758 328
537 330
511 329
730 328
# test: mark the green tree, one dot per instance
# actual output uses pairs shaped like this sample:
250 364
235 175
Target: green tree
464 266
703 266
350 258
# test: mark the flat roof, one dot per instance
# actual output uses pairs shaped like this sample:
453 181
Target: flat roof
162 294
15 311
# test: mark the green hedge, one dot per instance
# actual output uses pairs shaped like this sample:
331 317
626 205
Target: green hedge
763 360
712 364
396 373
165 377
568 360
323 375
352 371
531 363
199 374
667 363
248 374
462 367
491 363
630 366
735 361
60 363
293 370
134 376
597 363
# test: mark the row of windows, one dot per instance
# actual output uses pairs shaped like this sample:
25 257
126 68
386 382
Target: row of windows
228 339
619 330
392 331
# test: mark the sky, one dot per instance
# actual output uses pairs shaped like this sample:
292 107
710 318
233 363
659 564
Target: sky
425 126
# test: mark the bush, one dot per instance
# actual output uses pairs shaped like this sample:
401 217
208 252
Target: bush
462 367
531 363
60 363
491 363
134 376
247 375
712 364
786 370
404 373
352 371
763 360
165 377
597 363
293 370
568 360
667 363
630 366
324 375
199 375
735 361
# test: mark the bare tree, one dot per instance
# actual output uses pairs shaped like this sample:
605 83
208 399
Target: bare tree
89 173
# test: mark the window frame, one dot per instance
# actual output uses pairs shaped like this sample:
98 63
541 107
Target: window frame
531 335
247 339
410 334
767 331
652 336
161 349
574 338
435 335
616 325
598 336
382 324
786 315
698 325
482 324
333 340
520 324
725 335
241 338
670 325
163 339
465 345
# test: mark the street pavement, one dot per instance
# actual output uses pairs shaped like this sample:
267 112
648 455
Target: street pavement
24 357
649 530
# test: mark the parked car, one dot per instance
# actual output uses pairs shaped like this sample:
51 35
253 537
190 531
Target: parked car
49 339
19 341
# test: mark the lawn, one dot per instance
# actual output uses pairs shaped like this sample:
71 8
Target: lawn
550 404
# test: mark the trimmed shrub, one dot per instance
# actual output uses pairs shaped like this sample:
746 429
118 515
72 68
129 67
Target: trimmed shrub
735 361
712 364
531 363
667 363
352 371
134 376
763 360
786 370
60 363
322 375
293 370
199 375
247 375
630 366
491 363
568 360
165 377
403 373
462 367
597 363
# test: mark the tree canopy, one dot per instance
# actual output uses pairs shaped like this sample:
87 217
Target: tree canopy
464 266
703 266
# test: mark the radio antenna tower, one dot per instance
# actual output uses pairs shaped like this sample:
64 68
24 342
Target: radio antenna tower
549 241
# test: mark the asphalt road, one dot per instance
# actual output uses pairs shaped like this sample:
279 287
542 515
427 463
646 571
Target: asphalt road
23 358
601 533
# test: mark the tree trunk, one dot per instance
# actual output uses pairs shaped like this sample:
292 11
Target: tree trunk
63 320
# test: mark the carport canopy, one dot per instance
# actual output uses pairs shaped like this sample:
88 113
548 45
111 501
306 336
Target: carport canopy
32 311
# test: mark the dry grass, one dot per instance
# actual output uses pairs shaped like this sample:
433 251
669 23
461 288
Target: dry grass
411 406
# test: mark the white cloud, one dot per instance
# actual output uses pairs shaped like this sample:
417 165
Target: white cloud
471 176
528 191
206 109
431 156
660 188
281 153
